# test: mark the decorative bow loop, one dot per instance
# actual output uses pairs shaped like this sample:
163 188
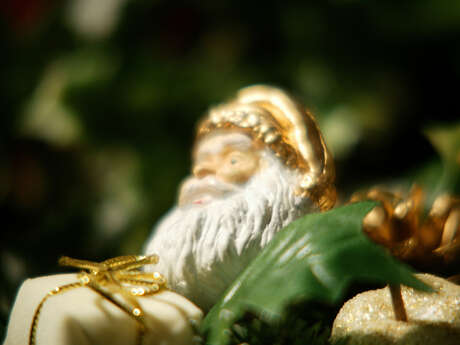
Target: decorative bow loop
118 280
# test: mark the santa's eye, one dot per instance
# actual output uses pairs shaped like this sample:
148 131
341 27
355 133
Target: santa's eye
235 158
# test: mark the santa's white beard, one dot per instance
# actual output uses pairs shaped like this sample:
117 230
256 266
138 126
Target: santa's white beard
203 248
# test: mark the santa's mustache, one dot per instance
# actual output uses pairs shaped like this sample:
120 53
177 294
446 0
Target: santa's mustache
194 190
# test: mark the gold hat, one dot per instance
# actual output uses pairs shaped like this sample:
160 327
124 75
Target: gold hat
272 117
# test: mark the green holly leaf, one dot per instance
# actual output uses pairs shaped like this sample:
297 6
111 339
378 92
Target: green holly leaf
314 258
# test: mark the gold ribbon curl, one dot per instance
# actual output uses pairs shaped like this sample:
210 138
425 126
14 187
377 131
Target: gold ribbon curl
119 275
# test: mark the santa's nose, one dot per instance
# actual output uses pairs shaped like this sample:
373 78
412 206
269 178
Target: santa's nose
204 169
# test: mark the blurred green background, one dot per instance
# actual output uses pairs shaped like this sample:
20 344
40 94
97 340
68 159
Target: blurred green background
99 99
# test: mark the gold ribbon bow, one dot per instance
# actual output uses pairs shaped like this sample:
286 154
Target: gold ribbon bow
119 275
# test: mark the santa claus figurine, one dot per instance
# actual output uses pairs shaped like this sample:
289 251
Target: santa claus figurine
259 162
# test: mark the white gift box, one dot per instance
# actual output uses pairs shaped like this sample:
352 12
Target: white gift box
81 316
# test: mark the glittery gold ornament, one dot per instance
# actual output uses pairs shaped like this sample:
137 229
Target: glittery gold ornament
433 317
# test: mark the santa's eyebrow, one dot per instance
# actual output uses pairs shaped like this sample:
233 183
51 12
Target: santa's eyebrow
235 142
231 149
240 146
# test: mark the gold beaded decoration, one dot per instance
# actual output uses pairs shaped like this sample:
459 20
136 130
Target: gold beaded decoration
119 275
398 224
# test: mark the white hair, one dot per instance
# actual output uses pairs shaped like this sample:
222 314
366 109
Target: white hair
203 248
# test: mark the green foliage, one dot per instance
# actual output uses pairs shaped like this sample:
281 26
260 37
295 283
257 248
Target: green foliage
313 259
446 140
301 323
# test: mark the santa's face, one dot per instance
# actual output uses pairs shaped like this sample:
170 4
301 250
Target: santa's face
223 162
238 197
